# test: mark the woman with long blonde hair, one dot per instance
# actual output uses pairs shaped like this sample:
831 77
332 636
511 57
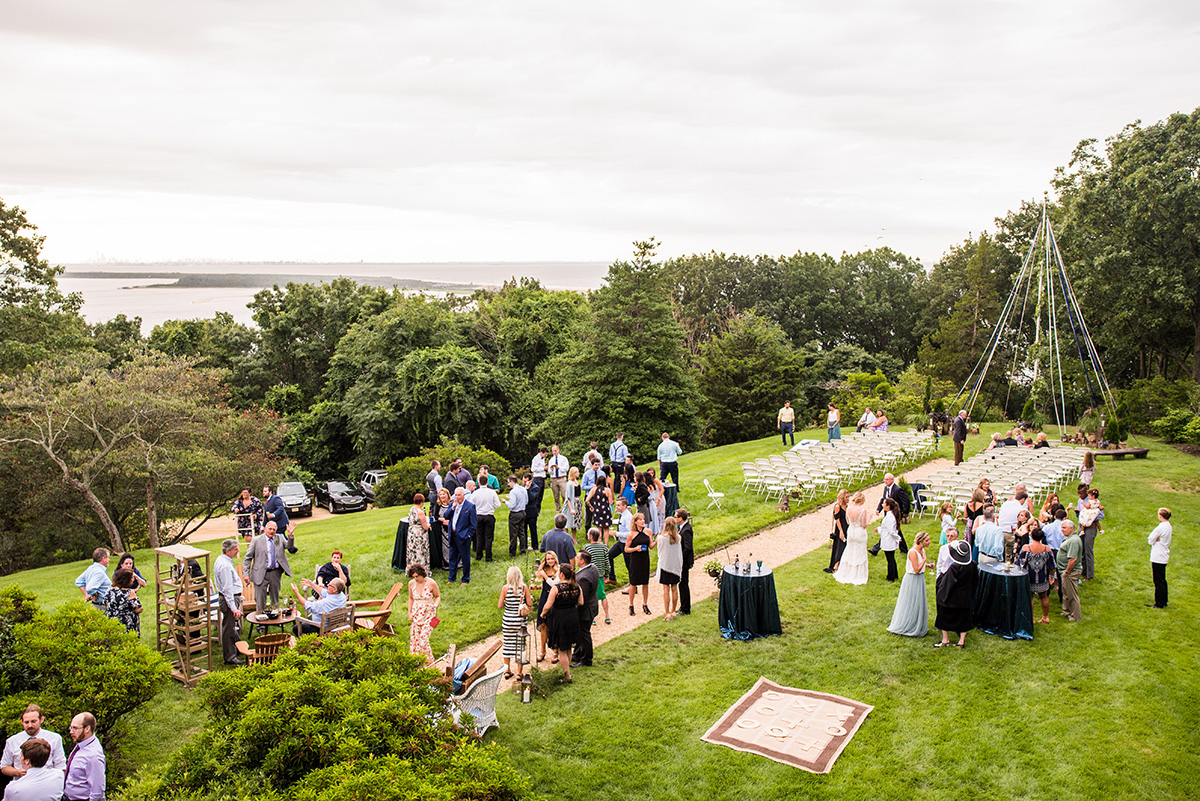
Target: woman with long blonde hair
516 602
670 566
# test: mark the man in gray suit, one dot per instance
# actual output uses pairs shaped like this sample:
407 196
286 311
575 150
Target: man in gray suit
265 563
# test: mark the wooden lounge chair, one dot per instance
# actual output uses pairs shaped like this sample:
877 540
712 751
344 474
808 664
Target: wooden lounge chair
479 701
479 666
266 648
374 615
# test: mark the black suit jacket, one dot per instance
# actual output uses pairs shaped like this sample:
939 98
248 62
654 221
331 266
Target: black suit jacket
960 429
588 579
893 491
685 538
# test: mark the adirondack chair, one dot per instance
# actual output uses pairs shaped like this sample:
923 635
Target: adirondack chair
266 648
479 666
334 622
374 614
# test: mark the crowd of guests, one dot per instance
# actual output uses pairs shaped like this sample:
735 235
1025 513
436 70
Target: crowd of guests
40 770
1057 552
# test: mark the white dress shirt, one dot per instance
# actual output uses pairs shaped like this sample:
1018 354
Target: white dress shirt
587 458
1160 543
558 466
486 501
12 749
538 467
1007 517
889 532
38 784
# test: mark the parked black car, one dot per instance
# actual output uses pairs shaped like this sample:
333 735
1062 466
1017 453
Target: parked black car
340 496
295 497
369 480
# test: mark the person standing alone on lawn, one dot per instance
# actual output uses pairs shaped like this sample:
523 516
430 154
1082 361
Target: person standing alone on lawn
668 457
786 421
959 435
1160 554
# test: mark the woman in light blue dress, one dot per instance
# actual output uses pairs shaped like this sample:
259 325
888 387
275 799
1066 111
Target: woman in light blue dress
911 618
833 423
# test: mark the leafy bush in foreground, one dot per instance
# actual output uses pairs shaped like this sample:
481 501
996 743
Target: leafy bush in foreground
348 717
73 660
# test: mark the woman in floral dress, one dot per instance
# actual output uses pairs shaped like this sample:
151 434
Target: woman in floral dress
418 533
423 600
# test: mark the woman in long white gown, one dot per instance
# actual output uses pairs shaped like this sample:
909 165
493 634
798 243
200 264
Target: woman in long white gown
853 568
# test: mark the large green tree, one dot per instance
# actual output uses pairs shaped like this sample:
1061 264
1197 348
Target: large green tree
629 371
745 375
36 319
1132 238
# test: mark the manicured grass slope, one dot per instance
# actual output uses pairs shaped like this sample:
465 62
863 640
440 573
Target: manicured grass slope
1107 708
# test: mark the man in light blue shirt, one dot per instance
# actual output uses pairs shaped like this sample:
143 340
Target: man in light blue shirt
624 524
332 597
94 582
989 537
668 458
517 500
1053 531
228 586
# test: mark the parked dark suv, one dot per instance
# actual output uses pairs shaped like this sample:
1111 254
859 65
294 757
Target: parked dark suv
340 496
369 480
295 497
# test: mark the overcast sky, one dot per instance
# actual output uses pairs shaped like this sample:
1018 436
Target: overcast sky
411 131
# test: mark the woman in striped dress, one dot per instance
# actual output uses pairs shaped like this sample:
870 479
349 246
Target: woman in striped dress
515 600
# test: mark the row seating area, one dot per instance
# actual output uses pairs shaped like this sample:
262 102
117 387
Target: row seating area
1042 470
825 468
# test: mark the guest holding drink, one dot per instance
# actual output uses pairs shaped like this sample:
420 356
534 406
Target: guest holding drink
638 547
911 616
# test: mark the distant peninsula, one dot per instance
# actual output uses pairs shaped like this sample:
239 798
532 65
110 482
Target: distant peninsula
193 280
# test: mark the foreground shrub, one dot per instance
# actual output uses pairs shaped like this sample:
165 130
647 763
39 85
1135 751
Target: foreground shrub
348 717
407 477
72 661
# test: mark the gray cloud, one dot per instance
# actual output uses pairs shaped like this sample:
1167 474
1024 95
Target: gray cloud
523 126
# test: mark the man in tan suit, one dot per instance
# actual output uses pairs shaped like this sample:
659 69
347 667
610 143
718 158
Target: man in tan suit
265 563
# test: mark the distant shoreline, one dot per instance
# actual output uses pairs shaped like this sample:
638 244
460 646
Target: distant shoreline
189 280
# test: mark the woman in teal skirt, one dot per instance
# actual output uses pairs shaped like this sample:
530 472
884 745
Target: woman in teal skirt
833 423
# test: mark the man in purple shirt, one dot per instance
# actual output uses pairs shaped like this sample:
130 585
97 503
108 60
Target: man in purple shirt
85 765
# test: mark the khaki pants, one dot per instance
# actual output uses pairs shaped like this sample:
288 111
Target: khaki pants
558 486
1070 590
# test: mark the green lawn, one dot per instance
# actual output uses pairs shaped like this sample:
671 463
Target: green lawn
1107 708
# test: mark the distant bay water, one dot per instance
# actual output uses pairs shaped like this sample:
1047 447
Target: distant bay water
163 291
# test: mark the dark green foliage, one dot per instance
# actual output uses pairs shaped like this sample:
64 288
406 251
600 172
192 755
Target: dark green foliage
16 607
1149 399
629 371
79 660
447 391
522 324
1132 213
745 375
301 325
348 717
925 407
407 477
319 439
1178 425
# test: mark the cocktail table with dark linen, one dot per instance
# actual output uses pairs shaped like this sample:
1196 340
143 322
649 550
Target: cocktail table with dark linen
1002 602
748 607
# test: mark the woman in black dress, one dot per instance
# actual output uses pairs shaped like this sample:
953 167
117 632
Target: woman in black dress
840 525
955 594
563 616
638 547
641 495
548 572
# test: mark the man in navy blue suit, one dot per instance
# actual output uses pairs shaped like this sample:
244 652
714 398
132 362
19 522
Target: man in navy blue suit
462 532
275 509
